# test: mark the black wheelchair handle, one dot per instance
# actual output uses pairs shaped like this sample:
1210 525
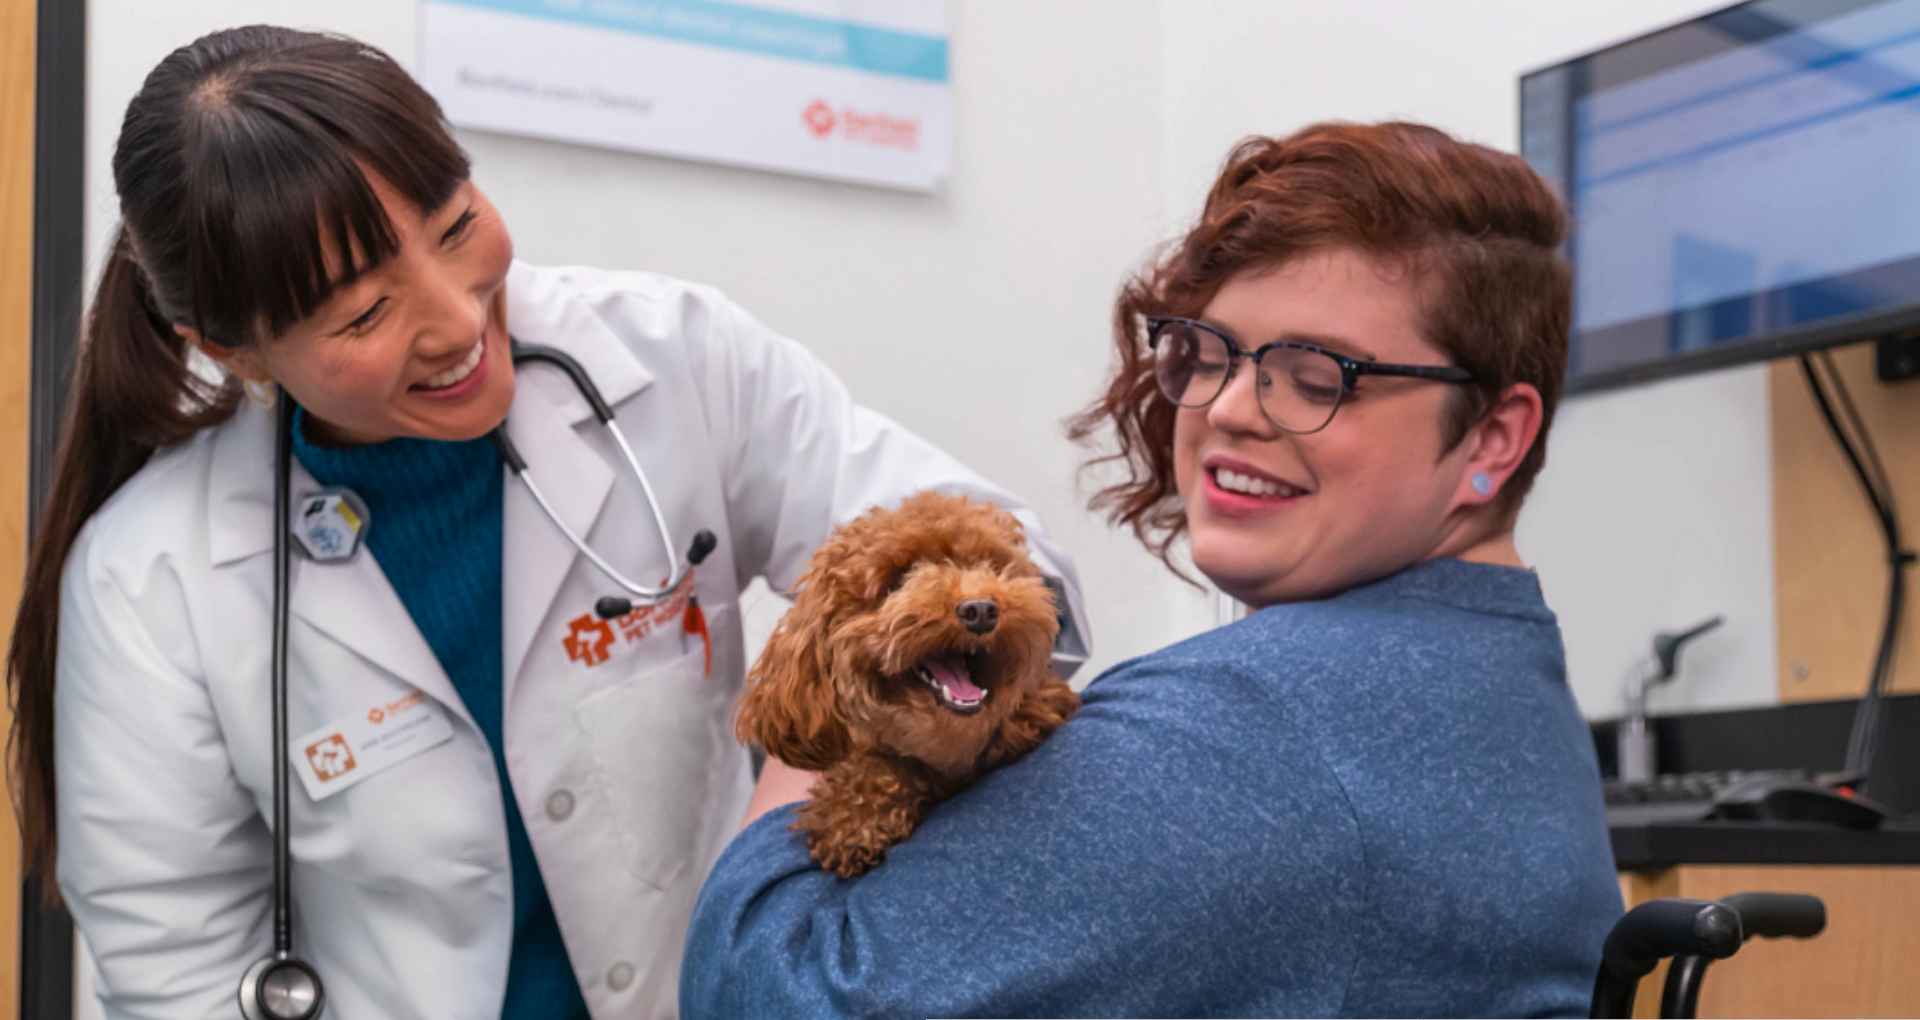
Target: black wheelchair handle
1779 915
1652 932
1655 930
1762 915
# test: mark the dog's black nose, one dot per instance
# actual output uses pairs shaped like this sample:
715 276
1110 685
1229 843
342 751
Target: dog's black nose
980 615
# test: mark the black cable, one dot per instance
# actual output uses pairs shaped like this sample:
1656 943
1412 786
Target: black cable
1871 473
1864 737
1866 730
1845 395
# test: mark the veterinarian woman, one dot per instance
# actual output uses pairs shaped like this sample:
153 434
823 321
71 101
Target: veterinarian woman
1372 797
505 802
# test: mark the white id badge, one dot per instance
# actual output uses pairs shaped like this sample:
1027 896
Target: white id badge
344 752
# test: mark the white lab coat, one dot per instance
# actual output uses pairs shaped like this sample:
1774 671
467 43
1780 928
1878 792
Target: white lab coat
626 771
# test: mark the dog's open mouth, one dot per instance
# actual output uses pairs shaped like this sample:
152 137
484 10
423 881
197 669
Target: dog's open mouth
953 678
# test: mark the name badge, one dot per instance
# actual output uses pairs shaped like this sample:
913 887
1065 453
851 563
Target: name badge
341 754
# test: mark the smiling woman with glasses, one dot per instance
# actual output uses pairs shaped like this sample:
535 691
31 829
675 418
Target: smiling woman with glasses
1372 797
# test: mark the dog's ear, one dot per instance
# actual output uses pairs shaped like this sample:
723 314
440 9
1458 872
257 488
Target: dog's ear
790 708
1011 530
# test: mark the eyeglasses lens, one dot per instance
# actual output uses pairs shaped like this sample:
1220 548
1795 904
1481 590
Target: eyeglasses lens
1298 388
1190 364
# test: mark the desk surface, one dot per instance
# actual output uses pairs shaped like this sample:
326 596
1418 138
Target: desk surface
1650 847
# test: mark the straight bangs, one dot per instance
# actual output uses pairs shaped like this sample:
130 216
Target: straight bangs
280 211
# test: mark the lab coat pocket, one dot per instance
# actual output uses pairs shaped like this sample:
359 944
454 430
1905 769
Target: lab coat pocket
653 738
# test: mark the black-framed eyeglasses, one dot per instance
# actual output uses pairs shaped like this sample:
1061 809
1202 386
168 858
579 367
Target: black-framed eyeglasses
1298 385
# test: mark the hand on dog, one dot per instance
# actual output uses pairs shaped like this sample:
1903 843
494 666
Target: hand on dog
915 657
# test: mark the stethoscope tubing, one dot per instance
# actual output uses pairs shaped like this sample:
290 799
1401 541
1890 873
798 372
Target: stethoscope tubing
676 572
282 557
301 995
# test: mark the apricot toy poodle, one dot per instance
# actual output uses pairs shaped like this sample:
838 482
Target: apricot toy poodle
915 657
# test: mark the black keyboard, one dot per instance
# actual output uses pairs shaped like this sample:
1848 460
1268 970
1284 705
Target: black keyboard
1680 797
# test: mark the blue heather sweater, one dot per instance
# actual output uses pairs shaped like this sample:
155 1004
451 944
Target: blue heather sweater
1384 803
435 530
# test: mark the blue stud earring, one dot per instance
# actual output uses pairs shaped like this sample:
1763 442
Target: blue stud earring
1481 483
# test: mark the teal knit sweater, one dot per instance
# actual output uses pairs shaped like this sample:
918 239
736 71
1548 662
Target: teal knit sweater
435 529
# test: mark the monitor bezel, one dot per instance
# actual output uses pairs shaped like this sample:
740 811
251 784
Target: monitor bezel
1775 344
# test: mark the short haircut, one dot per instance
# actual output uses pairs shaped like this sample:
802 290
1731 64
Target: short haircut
1477 229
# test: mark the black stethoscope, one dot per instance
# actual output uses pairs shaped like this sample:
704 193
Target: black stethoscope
281 985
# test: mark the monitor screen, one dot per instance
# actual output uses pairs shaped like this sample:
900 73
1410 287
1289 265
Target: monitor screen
1742 185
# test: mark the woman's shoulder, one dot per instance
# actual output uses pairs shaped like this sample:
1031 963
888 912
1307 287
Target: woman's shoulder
637 303
1380 635
165 511
1301 634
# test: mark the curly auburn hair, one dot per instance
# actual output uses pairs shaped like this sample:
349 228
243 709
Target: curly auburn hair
1477 229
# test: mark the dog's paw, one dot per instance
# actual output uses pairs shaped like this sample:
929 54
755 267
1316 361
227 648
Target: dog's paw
845 857
1039 714
858 810
849 845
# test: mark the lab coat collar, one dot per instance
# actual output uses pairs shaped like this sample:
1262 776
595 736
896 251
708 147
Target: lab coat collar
576 482
353 603
546 425
544 308
349 601
240 484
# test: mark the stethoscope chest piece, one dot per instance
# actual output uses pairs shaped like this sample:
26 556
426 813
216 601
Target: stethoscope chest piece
281 988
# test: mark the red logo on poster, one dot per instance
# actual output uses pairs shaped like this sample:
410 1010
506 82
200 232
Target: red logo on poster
819 118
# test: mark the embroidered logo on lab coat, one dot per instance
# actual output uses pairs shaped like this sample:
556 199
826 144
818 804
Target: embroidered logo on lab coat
588 638
590 641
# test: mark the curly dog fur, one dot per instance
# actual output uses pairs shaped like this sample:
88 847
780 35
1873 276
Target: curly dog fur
915 657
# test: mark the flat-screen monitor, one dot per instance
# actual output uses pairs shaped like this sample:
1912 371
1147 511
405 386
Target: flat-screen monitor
1743 185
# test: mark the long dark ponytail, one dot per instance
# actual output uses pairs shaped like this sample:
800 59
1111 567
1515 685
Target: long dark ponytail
242 163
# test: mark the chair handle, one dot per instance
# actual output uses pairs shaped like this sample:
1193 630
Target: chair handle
1657 929
1652 932
1762 915
1779 915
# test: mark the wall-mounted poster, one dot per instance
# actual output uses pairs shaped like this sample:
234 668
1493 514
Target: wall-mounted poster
853 90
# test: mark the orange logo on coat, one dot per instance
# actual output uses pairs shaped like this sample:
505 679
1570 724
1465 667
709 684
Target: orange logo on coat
589 639
379 714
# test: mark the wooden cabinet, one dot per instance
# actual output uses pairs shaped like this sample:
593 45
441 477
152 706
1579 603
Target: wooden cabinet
17 19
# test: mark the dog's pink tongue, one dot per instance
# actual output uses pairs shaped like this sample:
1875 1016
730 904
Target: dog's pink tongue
953 674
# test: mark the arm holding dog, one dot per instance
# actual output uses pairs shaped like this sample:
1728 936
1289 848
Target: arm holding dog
1093 876
779 784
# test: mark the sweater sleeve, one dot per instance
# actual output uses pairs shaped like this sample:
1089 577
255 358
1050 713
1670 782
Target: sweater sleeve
1171 851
